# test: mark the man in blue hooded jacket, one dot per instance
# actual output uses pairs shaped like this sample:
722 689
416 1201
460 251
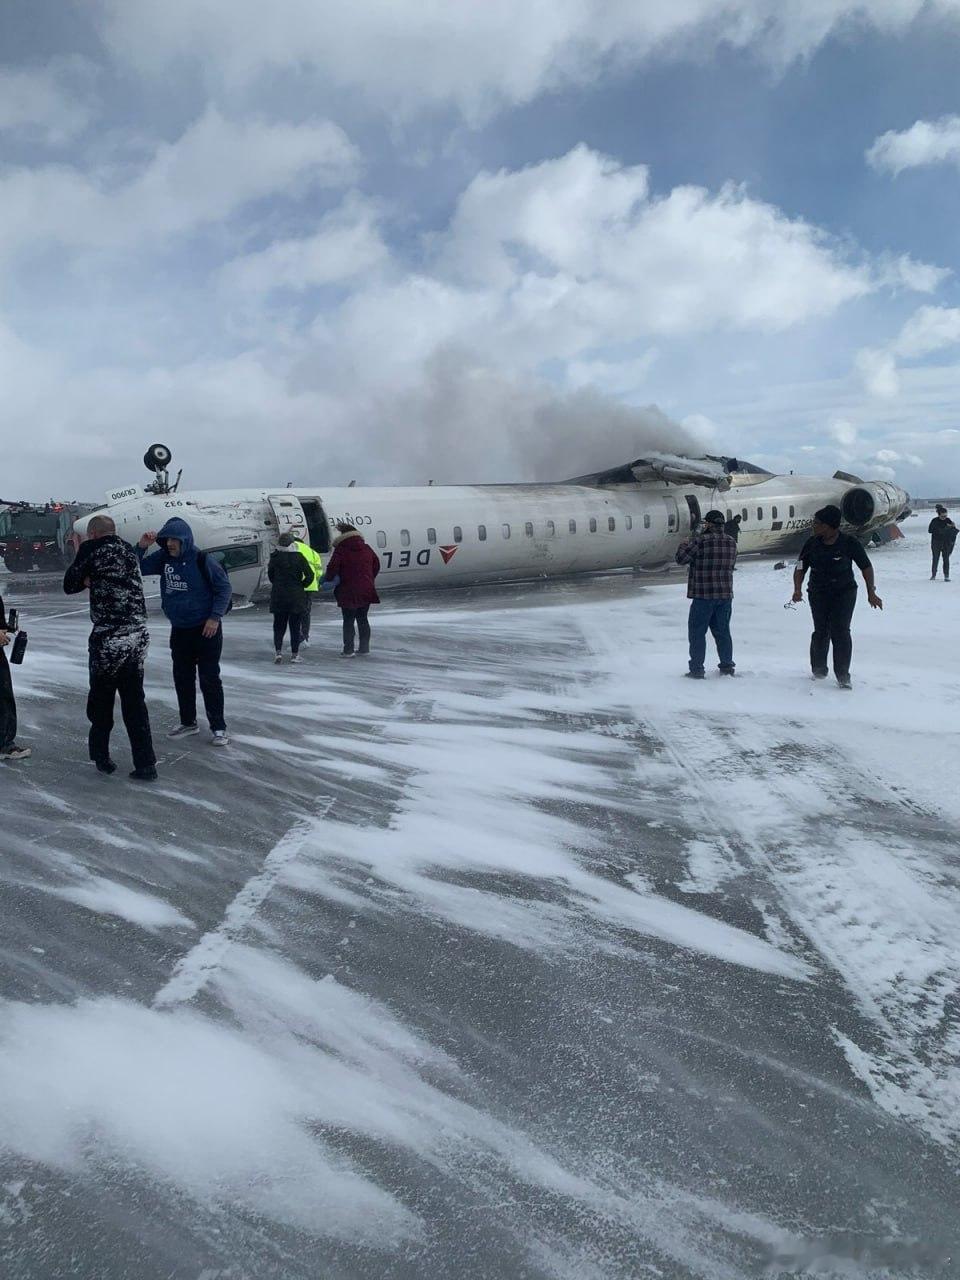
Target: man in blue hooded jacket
194 594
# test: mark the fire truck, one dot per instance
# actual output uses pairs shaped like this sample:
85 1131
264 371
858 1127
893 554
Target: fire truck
39 537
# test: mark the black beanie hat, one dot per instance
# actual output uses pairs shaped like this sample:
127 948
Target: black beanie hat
714 517
830 516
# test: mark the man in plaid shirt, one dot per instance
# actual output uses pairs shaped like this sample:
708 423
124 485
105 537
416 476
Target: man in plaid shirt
711 555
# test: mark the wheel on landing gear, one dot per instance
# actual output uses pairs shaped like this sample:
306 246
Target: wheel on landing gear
157 458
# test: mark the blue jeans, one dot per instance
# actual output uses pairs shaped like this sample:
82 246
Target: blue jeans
715 615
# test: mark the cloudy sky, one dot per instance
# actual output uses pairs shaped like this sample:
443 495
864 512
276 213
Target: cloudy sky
400 240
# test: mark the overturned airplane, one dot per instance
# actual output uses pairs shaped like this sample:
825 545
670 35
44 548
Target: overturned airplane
634 516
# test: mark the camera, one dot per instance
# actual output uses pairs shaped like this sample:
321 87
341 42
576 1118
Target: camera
19 646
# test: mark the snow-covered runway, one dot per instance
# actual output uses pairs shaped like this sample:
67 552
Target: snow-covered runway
507 953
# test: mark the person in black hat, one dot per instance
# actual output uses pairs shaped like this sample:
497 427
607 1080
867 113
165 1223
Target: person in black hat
830 556
943 535
711 555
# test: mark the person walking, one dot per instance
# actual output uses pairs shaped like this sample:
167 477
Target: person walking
9 750
711 555
943 535
194 594
830 556
109 568
290 575
356 565
315 561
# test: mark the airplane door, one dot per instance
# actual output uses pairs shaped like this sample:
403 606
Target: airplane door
289 514
694 507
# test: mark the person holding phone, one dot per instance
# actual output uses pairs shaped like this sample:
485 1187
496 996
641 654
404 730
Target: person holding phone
9 750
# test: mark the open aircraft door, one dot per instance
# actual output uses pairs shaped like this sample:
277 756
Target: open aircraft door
289 514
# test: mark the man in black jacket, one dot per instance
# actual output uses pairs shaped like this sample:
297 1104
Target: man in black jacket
943 535
290 574
830 556
108 566
8 707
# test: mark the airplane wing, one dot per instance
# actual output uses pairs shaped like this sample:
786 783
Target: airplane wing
671 467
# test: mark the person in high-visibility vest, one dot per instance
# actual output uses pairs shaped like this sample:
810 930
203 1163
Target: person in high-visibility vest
315 561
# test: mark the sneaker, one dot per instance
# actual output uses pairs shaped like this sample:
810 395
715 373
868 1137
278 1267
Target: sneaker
844 682
727 671
348 653
220 738
695 675
183 730
144 775
820 673
106 766
296 658
363 653
13 752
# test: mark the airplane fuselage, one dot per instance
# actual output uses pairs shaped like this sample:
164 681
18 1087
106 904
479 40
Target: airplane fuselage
458 535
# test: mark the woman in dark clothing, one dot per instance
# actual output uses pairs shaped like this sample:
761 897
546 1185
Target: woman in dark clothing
289 575
8 707
356 566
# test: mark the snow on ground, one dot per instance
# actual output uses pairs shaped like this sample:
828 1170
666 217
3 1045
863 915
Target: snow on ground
509 952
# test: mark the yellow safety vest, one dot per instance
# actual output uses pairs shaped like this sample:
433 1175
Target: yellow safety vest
315 561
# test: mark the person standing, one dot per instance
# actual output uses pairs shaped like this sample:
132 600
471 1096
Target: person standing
9 750
830 556
943 535
315 561
356 566
194 594
290 575
711 555
732 529
108 566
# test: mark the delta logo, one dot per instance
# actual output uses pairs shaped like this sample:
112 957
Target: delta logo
448 553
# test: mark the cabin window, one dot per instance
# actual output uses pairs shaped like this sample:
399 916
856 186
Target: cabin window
573 526
759 513
404 537
611 523
773 513
231 558
646 522
593 524
457 533
506 530
432 537
528 528
381 539
792 513
551 529
744 513
629 522
482 532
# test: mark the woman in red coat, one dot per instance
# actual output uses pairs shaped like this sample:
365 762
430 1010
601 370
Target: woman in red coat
355 566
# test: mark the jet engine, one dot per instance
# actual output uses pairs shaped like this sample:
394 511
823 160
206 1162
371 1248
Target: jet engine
869 505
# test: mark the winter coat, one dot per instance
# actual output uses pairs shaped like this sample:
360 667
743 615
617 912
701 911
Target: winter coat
357 566
117 607
289 575
943 533
189 595
314 560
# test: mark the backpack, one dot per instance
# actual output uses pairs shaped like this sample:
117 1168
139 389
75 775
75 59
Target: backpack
202 565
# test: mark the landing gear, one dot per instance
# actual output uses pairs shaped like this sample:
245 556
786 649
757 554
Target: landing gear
157 459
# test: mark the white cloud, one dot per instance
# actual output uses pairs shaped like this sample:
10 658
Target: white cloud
928 330
924 143
347 242
215 168
844 432
404 55
51 104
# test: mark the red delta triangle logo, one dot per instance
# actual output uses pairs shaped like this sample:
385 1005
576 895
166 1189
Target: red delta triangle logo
448 553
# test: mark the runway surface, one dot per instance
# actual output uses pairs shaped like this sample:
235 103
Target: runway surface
505 952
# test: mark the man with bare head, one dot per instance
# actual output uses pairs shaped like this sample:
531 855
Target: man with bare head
107 566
